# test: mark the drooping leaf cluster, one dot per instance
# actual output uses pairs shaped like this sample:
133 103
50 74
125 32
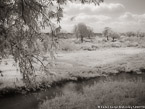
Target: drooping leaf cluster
21 22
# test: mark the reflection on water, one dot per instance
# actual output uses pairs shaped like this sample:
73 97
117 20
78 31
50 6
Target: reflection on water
31 101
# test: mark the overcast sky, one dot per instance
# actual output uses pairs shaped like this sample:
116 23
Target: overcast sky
120 15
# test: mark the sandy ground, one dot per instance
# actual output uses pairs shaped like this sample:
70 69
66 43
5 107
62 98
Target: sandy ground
71 62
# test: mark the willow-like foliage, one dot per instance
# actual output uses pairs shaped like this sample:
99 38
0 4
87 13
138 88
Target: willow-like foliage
20 25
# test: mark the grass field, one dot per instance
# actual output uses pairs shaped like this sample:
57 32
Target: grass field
83 64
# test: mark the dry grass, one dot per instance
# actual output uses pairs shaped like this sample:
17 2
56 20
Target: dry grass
83 64
107 93
73 44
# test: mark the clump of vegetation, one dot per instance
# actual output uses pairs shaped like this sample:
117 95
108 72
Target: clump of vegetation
67 45
125 93
83 31
106 32
130 34
109 33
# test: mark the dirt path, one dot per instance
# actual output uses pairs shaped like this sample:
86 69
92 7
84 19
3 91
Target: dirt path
74 61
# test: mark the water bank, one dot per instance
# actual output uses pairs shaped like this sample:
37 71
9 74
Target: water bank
33 100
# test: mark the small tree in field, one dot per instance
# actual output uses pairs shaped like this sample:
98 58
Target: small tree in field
114 35
109 33
82 31
106 32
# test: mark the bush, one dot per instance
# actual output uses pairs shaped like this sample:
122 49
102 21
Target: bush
142 42
114 36
67 45
132 44
116 44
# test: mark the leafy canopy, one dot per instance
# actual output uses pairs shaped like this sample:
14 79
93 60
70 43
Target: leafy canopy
83 31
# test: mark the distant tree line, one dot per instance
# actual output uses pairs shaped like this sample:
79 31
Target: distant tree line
133 34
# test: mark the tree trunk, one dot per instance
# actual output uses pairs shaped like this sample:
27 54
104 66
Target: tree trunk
89 36
82 40
107 38
113 39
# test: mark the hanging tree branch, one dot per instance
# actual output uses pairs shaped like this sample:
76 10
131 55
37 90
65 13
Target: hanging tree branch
19 28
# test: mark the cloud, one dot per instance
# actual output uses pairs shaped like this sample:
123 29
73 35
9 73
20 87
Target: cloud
90 14
77 8
128 22
68 22
129 17
112 15
84 18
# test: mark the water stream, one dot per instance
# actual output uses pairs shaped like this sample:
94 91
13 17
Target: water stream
32 101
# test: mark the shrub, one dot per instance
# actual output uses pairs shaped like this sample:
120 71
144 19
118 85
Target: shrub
67 45
116 44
